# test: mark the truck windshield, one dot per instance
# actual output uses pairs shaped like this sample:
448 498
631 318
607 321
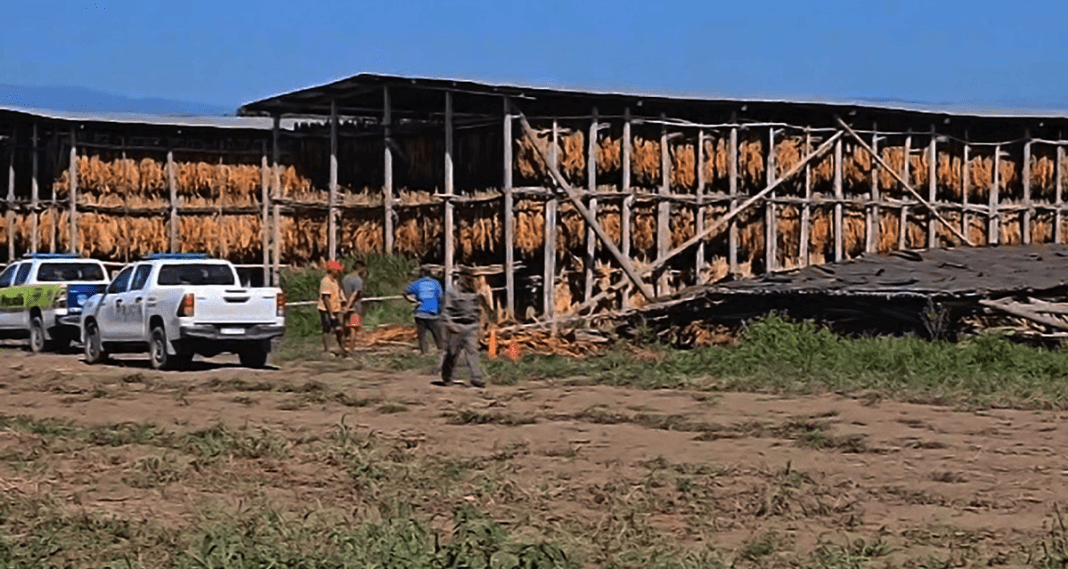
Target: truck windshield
195 274
64 272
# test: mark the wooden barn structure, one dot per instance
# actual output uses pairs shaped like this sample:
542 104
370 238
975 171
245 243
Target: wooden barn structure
644 195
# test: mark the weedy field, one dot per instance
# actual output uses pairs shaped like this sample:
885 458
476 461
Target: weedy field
792 448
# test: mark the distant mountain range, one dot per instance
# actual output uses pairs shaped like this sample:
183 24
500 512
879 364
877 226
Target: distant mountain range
81 99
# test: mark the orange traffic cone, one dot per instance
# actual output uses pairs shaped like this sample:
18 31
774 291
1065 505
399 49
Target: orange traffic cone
493 344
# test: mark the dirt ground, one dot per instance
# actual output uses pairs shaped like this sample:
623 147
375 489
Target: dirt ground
721 469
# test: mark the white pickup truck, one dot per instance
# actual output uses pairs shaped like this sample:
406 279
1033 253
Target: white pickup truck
176 306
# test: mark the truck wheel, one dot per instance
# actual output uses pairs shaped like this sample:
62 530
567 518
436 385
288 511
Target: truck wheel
161 360
37 335
256 356
94 348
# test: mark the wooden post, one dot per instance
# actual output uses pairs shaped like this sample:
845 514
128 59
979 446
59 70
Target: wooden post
224 250
509 213
11 193
172 186
265 227
1058 231
699 214
549 272
73 238
591 175
993 221
838 197
771 230
663 208
1027 189
387 168
732 173
276 188
628 199
34 192
871 243
331 212
450 244
903 226
966 178
806 207
932 188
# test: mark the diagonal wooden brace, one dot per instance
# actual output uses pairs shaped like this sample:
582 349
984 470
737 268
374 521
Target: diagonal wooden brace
722 222
573 197
875 156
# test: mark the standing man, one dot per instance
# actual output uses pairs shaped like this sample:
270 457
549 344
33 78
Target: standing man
353 287
426 294
330 302
462 321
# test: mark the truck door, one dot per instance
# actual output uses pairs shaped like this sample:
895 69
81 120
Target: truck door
9 303
112 310
133 305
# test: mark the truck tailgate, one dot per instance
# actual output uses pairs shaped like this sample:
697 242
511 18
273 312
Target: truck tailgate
235 305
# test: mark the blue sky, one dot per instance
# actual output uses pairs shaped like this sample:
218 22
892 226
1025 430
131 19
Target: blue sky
229 53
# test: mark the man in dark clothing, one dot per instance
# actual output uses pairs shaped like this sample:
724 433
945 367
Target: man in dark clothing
353 288
426 294
462 323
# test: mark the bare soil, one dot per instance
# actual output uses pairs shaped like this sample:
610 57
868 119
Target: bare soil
717 469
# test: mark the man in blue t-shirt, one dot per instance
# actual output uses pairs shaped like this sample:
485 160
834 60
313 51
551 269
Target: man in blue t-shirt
426 294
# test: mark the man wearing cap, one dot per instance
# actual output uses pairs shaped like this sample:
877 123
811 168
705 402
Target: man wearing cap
353 287
330 300
426 293
462 322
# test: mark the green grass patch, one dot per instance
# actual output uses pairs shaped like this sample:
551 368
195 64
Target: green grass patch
775 355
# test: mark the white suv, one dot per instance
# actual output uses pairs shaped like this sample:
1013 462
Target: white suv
41 296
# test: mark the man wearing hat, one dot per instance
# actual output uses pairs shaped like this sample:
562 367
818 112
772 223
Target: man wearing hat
425 293
330 301
462 322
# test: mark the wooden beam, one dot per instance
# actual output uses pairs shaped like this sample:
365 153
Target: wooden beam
902 180
903 225
509 214
172 187
73 238
331 214
732 174
1058 231
806 209
591 175
628 200
34 191
1022 311
871 242
771 233
1027 189
276 189
966 178
932 187
450 221
387 168
699 213
663 207
12 144
838 194
265 223
551 205
993 220
625 263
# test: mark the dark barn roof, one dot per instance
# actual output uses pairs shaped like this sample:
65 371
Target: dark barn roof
423 98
